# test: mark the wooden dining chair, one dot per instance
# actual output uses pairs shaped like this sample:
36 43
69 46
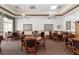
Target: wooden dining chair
68 42
43 40
75 45
55 36
60 37
42 43
1 38
22 42
50 35
67 38
31 46
15 36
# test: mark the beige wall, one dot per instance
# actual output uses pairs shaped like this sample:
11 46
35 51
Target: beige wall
38 23
72 16
1 25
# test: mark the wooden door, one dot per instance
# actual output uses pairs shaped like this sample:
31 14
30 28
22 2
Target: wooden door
77 29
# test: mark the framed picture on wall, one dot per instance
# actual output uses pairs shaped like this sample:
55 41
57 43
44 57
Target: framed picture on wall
27 27
68 25
59 26
48 27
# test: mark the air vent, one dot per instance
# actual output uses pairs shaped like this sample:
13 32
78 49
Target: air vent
59 7
32 7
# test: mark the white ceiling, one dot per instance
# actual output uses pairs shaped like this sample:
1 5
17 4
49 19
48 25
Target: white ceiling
39 8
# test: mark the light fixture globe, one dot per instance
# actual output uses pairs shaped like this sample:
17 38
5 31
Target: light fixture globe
54 7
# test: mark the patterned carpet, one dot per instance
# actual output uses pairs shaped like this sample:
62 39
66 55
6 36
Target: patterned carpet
52 48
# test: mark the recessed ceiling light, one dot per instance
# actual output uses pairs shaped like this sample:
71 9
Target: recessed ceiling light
32 7
54 7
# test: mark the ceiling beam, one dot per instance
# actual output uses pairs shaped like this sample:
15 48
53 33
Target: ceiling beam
36 14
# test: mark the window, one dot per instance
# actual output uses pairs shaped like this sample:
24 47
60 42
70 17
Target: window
27 27
68 25
48 27
8 25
